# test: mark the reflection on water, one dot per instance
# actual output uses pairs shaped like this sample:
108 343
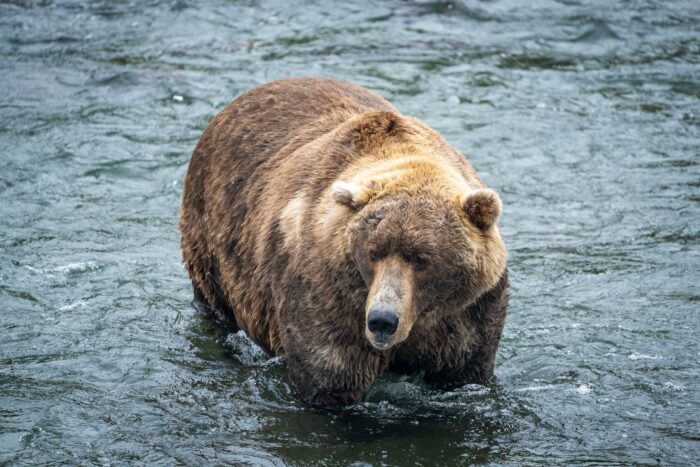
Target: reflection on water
584 117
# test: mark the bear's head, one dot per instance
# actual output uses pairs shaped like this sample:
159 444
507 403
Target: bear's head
420 251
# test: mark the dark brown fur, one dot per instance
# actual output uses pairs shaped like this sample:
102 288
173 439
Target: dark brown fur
303 295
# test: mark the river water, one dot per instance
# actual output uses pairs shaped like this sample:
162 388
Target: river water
585 116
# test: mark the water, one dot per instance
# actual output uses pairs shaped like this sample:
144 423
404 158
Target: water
585 116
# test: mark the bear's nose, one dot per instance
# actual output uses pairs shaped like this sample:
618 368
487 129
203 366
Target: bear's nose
382 322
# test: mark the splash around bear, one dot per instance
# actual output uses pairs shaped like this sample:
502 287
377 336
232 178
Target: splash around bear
345 237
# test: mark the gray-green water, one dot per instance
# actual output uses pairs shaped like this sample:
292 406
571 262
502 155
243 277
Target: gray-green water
585 116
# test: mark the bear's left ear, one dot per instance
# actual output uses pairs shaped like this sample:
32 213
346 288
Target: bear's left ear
482 207
350 194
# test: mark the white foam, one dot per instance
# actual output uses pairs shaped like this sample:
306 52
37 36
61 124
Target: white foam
245 350
674 387
72 268
641 356
73 306
543 387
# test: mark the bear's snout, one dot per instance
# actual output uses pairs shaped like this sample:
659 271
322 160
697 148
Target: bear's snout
389 307
382 323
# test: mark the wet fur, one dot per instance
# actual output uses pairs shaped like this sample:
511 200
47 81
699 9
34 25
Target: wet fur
270 250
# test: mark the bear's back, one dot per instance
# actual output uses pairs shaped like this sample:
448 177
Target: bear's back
290 110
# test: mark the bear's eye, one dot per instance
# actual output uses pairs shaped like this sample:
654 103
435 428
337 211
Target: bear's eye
417 261
375 255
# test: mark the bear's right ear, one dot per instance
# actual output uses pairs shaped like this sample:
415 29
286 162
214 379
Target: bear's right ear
482 207
350 194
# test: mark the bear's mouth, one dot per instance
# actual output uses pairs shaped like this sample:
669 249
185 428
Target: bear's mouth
381 345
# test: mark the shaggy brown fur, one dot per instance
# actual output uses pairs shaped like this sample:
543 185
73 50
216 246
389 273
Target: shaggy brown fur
309 201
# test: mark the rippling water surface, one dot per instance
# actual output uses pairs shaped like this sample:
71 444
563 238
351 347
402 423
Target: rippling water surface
585 116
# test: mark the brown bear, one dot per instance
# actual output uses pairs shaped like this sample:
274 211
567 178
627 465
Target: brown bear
345 237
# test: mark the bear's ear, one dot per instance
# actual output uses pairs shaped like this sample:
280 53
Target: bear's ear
482 207
350 194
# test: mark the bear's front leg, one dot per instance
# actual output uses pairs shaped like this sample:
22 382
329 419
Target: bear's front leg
468 351
459 347
461 356
473 367
332 373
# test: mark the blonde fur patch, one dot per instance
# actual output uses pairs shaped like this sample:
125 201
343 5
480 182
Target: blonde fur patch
330 356
407 172
291 221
